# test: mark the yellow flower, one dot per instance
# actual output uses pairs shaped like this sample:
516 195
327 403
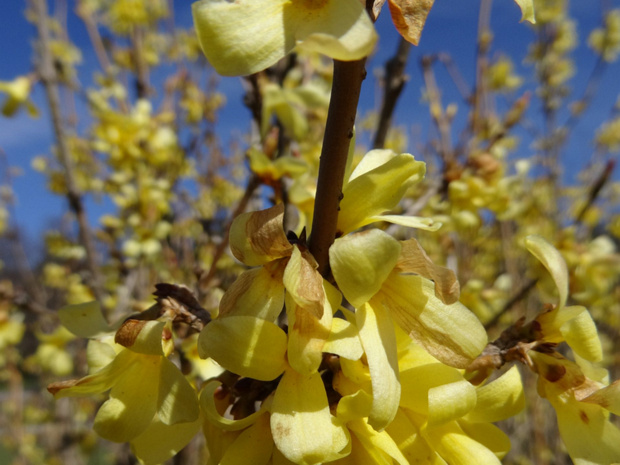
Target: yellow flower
18 92
296 417
374 272
247 36
151 404
440 416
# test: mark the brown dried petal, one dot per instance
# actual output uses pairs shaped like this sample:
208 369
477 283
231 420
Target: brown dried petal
409 17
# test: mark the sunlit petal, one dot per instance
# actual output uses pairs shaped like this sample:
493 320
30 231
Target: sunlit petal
376 332
178 402
301 423
257 292
500 399
450 333
361 263
253 446
245 345
84 320
377 191
553 261
257 238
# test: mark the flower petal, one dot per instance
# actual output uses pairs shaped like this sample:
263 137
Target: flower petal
304 283
449 402
178 402
257 238
377 191
340 29
410 442
413 259
500 399
131 406
527 10
245 345
409 17
377 441
607 397
254 445
160 441
488 435
228 31
301 424
553 261
361 262
98 382
376 332
417 222
450 333
581 335
84 320
344 340
456 447
306 336
258 292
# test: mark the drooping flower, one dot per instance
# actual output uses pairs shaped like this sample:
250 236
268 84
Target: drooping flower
375 273
247 36
17 95
151 404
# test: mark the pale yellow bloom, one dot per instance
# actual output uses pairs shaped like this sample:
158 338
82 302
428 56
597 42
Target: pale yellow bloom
247 36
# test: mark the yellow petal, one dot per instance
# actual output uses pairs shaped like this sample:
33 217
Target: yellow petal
361 263
306 336
178 402
417 222
245 37
581 335
228 31
98 382
607 397
340 29
377 191
527 10
413 259
245 345
354 406
488 435
409 17
253 446
304 283
588 435
301 424
207 404
374 441
160 441
450 333
553 261
141 336
257 238
456 447
449 402
344 340
257 292
84 320
376 332
500 399
131 406
413 446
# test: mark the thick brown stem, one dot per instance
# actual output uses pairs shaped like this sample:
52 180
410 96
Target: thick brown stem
348 77
48 77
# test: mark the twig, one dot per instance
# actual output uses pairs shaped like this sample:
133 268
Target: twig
346 87
595 190
511 303
48 77
395 80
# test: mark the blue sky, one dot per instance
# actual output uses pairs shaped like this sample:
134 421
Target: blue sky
451 28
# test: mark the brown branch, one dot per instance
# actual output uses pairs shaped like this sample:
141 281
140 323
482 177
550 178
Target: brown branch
346 87
515 299
48 77
395 80
595 190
